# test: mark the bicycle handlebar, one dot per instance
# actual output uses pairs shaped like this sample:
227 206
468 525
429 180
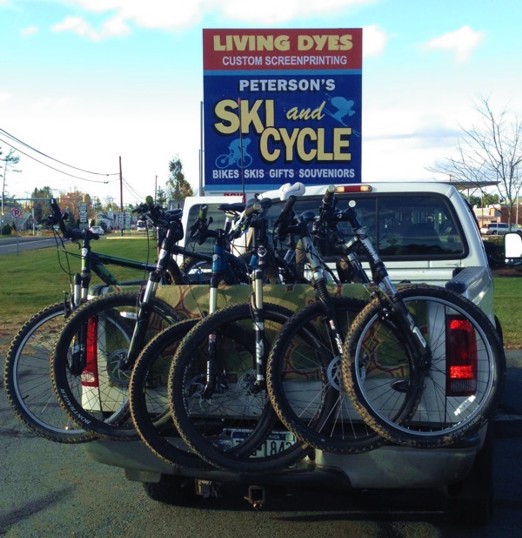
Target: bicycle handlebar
159 217
200 228
156 214
285 217
350 215
74 234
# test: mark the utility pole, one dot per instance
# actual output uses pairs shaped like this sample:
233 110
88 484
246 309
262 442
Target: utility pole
122 218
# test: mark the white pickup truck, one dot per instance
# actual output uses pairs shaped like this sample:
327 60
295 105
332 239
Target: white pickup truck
424 232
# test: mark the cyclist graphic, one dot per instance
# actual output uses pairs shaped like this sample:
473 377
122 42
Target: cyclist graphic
237 154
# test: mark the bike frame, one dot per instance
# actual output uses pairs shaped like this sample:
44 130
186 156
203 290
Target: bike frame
252 215
384 288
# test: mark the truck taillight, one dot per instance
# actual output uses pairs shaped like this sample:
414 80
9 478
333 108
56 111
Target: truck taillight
461 357
359 187
90 372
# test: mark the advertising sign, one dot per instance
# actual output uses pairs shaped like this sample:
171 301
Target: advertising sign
281 106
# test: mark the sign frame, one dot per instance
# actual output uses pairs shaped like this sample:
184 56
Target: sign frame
281 106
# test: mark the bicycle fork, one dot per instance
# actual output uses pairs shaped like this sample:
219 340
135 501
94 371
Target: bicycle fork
407 323
214 379
141 325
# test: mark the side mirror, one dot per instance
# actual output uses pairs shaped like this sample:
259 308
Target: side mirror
512 246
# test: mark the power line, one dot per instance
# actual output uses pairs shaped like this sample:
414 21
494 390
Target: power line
54 168
9 135
132 190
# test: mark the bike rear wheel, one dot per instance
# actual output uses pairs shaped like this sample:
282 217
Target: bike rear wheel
86 373
28 382
233 426
305 386
449 398
148 397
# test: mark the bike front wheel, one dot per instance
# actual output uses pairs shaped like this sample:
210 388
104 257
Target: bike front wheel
449 395
304 380
86 373
28 382
225 416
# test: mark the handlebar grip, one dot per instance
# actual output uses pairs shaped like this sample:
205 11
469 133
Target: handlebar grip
329 195
289 206
57 212
283 220
253 206
200 223
202 214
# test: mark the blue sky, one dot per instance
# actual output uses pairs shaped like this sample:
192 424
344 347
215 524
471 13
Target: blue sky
88 81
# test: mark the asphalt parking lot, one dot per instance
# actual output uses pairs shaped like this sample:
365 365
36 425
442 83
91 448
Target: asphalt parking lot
56 490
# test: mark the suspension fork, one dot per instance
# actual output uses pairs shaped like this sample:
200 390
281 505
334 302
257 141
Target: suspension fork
256 302
217 271
390 299
144 302
142 322
258 313
319 282
78 296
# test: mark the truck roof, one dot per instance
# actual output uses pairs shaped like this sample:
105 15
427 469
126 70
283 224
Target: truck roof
378 186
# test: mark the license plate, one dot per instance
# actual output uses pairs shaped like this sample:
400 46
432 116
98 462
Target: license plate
276 443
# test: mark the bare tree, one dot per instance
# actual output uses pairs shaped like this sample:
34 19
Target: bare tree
71 203
9 160
490 152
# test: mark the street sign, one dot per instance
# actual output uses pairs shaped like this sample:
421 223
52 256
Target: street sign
16 212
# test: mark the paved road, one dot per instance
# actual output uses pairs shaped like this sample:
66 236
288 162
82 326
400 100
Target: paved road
49 489
15 244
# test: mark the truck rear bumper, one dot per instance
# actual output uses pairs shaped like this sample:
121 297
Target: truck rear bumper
385 467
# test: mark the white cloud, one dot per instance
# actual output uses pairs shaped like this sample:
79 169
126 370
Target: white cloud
461 42
29 31
112 27
78 26
374 41
115 26
278 11
167 15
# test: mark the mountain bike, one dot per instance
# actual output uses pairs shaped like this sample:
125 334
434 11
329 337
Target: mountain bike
100 343
26 367
424 365
217 390
304 364
148 383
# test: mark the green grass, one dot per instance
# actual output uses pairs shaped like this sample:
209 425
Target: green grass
508 307
32 280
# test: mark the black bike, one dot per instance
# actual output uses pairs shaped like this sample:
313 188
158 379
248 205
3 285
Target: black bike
26 367
97 349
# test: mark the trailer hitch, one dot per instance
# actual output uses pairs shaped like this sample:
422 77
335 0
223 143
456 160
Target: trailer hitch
256 496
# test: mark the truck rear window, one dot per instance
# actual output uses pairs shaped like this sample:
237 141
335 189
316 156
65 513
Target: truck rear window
401 226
